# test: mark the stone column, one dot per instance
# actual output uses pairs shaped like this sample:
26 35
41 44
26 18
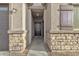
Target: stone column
17 30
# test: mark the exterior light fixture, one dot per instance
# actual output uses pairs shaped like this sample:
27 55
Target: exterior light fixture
13 10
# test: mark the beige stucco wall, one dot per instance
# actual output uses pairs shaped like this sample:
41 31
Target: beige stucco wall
47 21
54 17
28 24
48 17
16 18
76 18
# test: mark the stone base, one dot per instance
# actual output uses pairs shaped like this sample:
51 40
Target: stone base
17 53
64 43
17 43
64 53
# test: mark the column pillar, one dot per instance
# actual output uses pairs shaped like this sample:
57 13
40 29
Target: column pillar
54 17
45 14
17 29
30 25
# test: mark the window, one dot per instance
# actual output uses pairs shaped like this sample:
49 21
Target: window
66 19
3 9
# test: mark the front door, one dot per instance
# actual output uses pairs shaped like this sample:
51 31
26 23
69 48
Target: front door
37 28
4 21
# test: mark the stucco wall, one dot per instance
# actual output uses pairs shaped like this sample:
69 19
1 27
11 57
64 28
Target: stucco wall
54 17
28 25
76 17
16 18
47 21
48 18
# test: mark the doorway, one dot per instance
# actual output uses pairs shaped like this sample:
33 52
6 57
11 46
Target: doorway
37 29
38 24
35 24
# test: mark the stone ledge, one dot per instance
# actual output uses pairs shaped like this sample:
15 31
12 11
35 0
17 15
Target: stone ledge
15 53
17 32
64 31
65 53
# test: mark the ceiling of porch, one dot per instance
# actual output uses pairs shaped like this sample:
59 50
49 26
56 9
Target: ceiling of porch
37 12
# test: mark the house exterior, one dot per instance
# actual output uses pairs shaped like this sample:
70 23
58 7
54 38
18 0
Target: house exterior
57 23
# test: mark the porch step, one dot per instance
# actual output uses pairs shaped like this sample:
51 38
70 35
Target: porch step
37 53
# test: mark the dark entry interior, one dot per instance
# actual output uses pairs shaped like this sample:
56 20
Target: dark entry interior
37 29
38 23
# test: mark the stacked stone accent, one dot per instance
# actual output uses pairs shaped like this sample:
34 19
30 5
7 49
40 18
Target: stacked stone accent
64 43
17 43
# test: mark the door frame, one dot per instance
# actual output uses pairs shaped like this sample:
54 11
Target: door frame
30 27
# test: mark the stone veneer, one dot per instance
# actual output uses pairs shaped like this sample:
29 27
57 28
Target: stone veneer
17 43
64 43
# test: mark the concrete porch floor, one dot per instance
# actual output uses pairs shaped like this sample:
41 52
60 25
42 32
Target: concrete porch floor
4 53
37 48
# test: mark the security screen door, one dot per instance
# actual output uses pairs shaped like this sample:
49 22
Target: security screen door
4 23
